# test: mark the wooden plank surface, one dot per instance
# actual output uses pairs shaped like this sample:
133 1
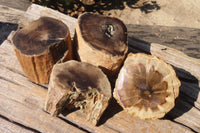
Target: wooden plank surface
10 127
16 4
23 101
20 98
10 15
186 40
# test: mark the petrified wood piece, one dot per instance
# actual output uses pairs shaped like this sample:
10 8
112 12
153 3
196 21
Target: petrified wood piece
40 45
32 97
146 86
101 41
78 85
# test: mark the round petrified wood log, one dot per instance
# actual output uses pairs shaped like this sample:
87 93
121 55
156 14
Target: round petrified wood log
146 86
101 41
78 85
40 45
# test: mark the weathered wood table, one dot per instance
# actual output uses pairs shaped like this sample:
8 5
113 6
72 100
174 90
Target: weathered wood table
22 101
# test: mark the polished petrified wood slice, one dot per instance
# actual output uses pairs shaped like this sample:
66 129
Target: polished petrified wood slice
78 85
101 41
40 45
146 86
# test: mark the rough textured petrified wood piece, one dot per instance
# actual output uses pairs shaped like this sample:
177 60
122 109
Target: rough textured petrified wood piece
40 45
21 99
101 41
78 85
28 100
146 86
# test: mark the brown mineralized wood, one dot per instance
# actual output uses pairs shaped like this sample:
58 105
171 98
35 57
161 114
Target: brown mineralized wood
146 86
101 41
22 101
20 98
78 85
40 45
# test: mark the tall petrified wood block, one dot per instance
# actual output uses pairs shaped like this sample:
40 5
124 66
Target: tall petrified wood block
78 85
146 86
101 41
40 45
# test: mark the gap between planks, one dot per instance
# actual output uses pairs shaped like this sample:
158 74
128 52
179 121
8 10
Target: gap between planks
32 94
28 99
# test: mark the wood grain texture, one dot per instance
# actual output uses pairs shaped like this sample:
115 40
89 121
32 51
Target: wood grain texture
102 43
28 102
10 15
40 45
186 40
81 85
16 4
28 99
146 86
7 126
35 11
187 69
26 108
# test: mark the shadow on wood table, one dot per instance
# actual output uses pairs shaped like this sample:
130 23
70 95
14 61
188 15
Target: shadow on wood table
23 102
112 109
186 40
5 29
